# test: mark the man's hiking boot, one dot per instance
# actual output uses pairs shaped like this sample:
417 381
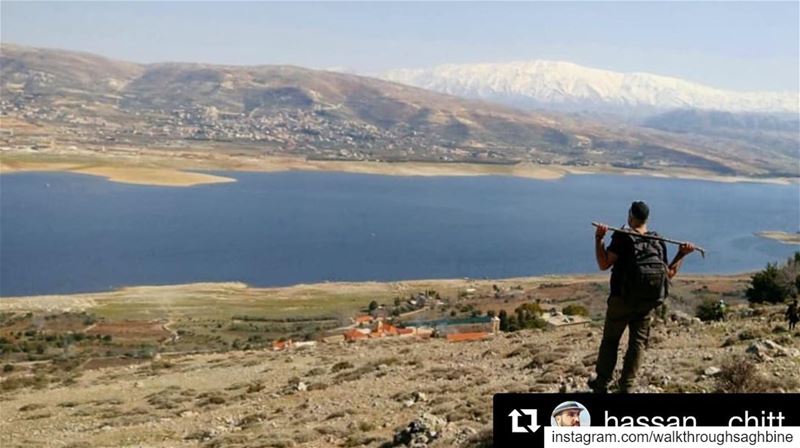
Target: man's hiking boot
597 387
624 388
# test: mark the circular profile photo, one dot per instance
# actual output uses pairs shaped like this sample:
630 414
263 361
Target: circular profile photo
570 413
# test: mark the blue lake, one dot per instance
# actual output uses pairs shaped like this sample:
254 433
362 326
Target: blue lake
62 233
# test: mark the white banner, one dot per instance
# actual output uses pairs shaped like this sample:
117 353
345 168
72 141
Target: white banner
672 437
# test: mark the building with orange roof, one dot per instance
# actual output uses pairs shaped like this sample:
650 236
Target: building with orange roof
354 335
386 328
281 345
405 331
363 320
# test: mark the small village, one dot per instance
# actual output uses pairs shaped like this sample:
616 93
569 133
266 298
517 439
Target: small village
383 321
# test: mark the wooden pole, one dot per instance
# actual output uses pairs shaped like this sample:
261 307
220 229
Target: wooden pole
652 237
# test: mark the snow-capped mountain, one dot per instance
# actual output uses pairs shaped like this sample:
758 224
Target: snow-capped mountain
568 86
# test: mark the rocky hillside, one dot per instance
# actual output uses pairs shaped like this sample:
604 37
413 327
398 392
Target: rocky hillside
152 368
386 393
62 99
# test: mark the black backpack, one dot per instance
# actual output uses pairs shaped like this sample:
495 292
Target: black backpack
646 278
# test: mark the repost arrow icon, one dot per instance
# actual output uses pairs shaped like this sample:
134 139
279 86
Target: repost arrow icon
534 426
515 426
515 422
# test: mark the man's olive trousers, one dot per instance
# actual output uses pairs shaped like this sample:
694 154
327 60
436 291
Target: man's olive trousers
620 315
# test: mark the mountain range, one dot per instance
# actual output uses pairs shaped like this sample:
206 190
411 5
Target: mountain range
570 87
86 101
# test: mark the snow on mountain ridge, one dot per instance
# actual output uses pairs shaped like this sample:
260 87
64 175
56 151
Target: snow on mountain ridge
558 83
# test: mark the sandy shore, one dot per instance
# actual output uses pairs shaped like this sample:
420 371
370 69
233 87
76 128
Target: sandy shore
161 168
165 293
178 176
159 176
783 237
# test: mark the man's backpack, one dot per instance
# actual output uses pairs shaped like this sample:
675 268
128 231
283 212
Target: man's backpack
646 278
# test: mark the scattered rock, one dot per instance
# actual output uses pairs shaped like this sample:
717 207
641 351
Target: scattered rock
712 371
202 436
420 432
766 349
681 318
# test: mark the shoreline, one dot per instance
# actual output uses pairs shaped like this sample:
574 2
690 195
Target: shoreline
160 177
303 290
782 237
181 169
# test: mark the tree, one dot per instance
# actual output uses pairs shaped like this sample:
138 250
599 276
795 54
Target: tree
503 316
530 308
774 284
373 305
528 315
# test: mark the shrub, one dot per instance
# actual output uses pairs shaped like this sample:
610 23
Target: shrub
775 284
575 310
739 375
749 334
342 365
8 368
709 310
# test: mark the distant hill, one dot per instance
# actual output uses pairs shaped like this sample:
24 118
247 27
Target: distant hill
780 132
88 101
702 121
565 86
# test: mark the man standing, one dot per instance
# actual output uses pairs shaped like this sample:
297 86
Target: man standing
792 315
639 283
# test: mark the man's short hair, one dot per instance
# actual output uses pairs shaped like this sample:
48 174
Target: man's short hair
640 211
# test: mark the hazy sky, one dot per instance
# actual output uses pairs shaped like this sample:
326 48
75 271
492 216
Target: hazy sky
741 46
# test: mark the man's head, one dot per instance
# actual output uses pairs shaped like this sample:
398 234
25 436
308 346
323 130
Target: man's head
638 214
568 414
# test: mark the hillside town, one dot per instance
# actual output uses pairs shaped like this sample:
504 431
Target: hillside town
317 132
